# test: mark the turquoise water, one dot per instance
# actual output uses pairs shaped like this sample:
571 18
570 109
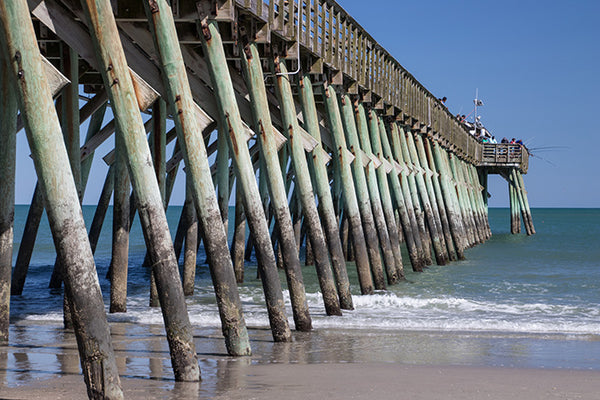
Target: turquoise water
540 292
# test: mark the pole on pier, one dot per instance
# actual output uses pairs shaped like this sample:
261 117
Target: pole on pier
303 188
190 138
351 210
8 149
362 194
118 82
214 54
317 164
272 180
62 201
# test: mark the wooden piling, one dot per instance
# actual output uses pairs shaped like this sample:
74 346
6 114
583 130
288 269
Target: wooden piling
191 141
406 217
62 201
425 193
376 129
272 174
462 199
101 208
520 200
303 188
213 51
191 240
432 179
526 201
8 148
239 237
118 82
403 156
317 164
374 246
449 195
351 210
120 230
390 256
515 220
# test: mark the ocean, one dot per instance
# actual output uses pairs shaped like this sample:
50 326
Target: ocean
515 301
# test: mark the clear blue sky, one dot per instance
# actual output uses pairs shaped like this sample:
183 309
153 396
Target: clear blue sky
535 65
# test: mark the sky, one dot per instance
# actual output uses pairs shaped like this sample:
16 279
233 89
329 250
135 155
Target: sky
533 63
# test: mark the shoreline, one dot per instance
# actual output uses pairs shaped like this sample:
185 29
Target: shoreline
41 361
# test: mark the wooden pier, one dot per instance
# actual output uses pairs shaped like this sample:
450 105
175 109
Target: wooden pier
308 107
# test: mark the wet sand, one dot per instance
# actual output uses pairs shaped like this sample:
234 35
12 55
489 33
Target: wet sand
41 362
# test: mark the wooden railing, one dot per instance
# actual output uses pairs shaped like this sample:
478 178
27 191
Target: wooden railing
505 155
337 45
338 42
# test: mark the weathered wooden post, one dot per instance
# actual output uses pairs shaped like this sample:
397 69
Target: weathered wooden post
215 56
515 221
478 190
521 201
376 125
117 80
239 236
406 214
403 156
526 200
473 196
435 194
449 196
191 240
120 233
62 201
272 174
462 199
303 188
390 251
326 207
191 141
101 208
440 251
362 193
8 148
351 210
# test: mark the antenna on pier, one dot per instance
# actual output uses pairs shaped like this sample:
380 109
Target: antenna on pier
478 103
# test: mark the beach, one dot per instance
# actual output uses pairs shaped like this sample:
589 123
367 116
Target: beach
334 364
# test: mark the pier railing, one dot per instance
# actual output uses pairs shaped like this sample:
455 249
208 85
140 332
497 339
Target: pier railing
329 41
505 155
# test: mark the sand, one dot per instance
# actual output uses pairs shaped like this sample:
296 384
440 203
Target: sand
41 362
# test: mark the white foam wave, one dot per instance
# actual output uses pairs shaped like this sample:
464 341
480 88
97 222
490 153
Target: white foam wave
387 311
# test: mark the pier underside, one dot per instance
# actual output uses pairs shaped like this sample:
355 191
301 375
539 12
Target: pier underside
329 143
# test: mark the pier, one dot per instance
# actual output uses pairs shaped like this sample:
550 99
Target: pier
329 143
